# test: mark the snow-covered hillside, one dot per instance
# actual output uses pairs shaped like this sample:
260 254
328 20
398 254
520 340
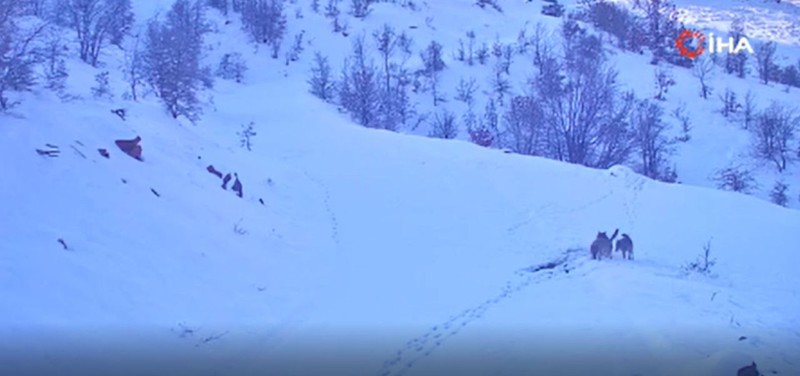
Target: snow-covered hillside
367 252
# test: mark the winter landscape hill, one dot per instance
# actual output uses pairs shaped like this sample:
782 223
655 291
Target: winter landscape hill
365 251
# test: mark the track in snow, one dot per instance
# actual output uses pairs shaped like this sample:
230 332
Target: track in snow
326 201
424 345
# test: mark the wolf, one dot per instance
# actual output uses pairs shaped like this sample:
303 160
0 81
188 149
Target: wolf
625 244
602 245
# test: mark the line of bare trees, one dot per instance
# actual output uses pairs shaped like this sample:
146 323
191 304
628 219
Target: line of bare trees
165 60
17 60
574 111
97 23
376 95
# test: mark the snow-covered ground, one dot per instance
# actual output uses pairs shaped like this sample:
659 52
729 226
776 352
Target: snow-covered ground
374 253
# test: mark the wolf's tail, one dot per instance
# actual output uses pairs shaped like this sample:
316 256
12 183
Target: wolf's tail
615 235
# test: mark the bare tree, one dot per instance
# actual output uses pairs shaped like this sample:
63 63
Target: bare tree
120 22
221 5
444 125
778 194
618 21
581 102
17 61
478 133
661 20
702 69
321 81
96 22
790 75
55 65
774 133
396 108
703 263
359 88
265 21
522 42
332 9
433 65
679 113
172 57
524 125
735 179
491 3
232 66
465 91
553 9
652 144
102 88
293 54
461 54
505 56
386 41
748 110
500 84
736 63
765 59
360 8
663 80
135 68
490 121
540 41
730 104
36 8
471 47
482 54
246 136
395 103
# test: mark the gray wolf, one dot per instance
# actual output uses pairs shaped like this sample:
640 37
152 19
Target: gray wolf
602 245
625 244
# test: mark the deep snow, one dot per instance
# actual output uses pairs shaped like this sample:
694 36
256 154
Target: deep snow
374 252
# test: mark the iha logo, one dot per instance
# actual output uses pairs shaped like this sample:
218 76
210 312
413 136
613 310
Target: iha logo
715 45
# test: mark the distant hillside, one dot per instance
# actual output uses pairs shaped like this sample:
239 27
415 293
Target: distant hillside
370 251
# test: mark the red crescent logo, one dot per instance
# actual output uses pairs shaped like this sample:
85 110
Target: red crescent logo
687 35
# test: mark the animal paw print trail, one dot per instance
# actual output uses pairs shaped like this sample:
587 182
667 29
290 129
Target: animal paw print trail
424 345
